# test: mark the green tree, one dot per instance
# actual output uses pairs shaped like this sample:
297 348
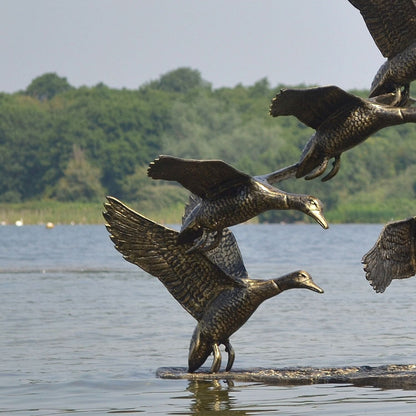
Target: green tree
80 143
181 80
47 86
81 180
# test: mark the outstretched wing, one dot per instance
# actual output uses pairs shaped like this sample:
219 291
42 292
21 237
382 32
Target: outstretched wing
393 255
312 106
190 277
205 178
392 24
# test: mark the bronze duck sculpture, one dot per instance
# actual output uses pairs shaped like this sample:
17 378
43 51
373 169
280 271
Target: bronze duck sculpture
392 25
213 287
341 121
225 197
393 255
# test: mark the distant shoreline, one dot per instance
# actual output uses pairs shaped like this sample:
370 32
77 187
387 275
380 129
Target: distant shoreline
43 212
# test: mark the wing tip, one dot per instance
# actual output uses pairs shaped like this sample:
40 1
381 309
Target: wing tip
379 287
151 170
273 109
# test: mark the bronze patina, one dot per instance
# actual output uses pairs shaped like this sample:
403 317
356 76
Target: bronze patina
392 24
393 255
213 287
201 265
341 121
226 196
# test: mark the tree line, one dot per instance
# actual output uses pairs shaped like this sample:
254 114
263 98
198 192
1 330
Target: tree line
79 144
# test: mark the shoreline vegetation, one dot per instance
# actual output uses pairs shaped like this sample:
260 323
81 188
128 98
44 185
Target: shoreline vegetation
62 149
72 213
83 213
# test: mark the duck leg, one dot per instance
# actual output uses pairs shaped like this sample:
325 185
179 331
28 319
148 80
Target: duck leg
404 97
216 364
335 168
231 355
318 171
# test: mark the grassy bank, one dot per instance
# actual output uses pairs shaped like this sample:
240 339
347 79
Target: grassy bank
41 212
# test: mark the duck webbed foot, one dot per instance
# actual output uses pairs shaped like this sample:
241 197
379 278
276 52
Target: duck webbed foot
318 171
231 355
336 164
321 169
207 241
216 364
405 100
399 96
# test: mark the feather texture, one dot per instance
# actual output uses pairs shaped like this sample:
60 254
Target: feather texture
393 255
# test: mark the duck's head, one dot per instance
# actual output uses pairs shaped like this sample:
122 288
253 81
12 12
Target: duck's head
314 208
297 280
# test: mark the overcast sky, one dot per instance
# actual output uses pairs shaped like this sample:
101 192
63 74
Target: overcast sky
125 43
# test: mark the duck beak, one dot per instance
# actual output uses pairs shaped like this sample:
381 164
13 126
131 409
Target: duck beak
319 218
313 286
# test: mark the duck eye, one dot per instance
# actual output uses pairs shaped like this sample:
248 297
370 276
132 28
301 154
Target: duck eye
313 203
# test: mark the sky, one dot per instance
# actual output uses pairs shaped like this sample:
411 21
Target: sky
126 43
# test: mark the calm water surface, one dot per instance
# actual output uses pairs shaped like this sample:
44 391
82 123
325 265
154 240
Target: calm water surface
82 331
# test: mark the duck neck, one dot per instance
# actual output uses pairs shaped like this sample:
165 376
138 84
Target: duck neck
281 200
285 282
265 289
294 201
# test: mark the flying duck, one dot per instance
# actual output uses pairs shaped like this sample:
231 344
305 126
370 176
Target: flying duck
393 255
225 197
392 25
213 287
341 121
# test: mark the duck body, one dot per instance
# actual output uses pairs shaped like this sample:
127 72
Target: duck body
396 72
238 205
224 316
341 122
213 287
231 309
346 129
225 196
392 25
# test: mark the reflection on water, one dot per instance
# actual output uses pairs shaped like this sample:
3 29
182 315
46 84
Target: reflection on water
83 331
209 396
256 398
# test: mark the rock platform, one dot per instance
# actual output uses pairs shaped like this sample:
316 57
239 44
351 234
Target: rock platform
392 376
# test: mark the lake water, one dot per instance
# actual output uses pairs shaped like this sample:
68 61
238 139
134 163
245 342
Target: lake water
83 332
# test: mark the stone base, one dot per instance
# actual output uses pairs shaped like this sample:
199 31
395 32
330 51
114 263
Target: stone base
386 376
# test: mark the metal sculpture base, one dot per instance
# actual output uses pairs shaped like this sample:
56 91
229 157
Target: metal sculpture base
386 376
